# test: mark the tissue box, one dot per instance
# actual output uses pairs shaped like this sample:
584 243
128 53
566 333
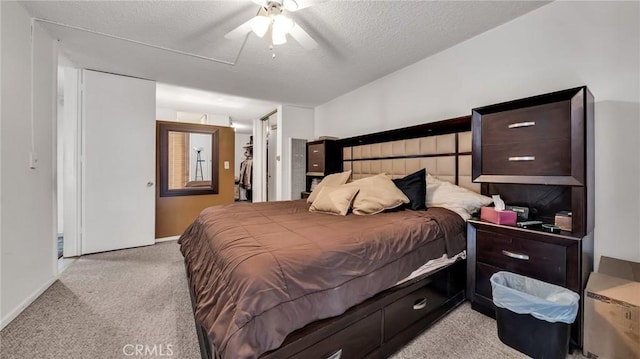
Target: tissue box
490 214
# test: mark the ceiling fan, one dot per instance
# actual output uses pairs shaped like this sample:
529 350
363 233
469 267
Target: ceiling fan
272 17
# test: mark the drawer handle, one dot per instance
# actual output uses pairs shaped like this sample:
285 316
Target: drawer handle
420 304
523 257
522 124
335 355
315 151
523 158
315 165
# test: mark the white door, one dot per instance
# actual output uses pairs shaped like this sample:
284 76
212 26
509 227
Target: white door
118 120
272 163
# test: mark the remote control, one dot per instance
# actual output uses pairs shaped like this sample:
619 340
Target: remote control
528 223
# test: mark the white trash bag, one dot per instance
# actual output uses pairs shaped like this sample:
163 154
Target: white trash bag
524 295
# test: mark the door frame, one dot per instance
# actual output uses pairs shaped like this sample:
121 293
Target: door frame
72 163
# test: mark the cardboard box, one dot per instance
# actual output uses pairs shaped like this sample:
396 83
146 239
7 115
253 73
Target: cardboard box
612 310
498 217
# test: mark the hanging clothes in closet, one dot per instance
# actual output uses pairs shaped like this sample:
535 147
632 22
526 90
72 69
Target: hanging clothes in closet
246 176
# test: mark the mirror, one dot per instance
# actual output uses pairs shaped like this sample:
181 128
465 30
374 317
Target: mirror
188 159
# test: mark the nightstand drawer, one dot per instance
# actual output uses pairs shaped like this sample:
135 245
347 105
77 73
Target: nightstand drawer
528 124
316 158
528 158
315 166
536 259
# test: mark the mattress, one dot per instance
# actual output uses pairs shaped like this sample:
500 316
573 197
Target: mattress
260 271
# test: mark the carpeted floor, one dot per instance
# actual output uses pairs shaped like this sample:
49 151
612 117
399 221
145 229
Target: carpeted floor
104 304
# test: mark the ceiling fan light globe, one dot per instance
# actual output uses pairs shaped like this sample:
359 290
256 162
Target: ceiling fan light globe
282 24
278 38
260 25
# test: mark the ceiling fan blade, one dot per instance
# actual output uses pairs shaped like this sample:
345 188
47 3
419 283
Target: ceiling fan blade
239 31
303 38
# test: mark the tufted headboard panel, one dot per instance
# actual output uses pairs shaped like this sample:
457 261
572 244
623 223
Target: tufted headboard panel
446 156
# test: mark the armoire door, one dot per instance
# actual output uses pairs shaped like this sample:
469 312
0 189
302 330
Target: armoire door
118 189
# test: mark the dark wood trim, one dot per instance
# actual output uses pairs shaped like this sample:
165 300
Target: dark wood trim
454 125
408 156
162 132
530 101
577 97
563 238
515 179
476 146
457 164
444 127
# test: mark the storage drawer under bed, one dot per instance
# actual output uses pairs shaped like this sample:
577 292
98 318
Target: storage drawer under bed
354 341
412 308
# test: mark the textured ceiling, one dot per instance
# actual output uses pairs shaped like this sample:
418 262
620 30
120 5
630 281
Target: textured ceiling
359 41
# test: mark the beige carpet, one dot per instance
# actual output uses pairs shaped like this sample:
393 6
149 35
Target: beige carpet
105 304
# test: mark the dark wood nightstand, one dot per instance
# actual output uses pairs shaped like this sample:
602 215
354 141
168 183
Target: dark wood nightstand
304 195
536 152
550 257
324 157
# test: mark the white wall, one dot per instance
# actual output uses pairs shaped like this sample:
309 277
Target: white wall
293 122
558 46
28 216
166 114
218 120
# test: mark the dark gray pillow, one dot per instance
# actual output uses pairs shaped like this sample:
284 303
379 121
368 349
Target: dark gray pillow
414 186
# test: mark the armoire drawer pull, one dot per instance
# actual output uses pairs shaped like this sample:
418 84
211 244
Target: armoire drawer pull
523 158
420 304
335 355
522 124
315 165
315 151
523 257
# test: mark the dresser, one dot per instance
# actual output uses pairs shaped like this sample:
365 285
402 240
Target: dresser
535 152
323 158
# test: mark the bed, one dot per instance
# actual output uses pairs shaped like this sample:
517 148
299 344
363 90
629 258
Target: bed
273 280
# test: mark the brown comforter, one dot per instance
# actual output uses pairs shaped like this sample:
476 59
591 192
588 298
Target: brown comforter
260 271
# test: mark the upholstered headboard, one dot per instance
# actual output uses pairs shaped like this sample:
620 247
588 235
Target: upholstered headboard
446 156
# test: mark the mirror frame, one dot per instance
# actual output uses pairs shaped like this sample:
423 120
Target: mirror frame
162 132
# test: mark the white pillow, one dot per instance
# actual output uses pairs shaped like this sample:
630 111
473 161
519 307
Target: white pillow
455 198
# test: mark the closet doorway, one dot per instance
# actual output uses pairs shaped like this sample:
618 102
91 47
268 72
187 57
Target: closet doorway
272 161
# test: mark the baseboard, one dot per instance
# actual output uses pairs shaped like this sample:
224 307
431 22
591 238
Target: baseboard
25 303
167 239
